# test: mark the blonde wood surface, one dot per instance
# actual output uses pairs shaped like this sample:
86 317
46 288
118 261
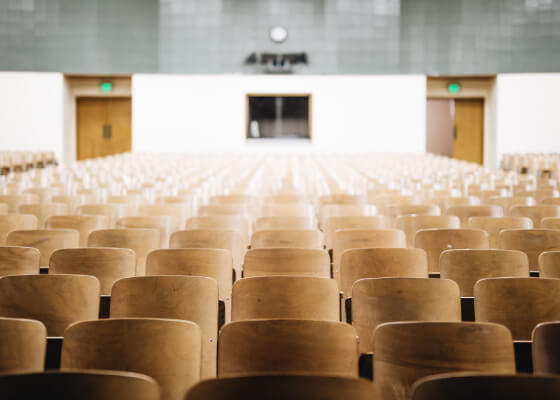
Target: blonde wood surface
225 209
178 211
43 211
286 223
446 347
79 384
410 224
286 198
293 262
532 242
536 213
16 222
15 200
332 224
15 260
508 202
468 385
191 298
55 300
287 210
550 223
107 264
380 263
84 224
141 240
466 267
23 343
167 350
546 348
212 263
549 264
518 303
466 212
287 346
112 211
494 225
435 241
211 239
3 208
47 241
285 297
397 210
346 210
345 239
380 300
164 224
279 238
294 387
228 222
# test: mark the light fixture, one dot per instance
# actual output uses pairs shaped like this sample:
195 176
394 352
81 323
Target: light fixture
278 34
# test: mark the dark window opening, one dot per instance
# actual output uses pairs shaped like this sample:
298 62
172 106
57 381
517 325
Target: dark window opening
279 117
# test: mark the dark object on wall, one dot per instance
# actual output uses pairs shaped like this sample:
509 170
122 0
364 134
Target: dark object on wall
277 62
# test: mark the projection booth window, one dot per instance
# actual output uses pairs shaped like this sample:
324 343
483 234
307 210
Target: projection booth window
279 116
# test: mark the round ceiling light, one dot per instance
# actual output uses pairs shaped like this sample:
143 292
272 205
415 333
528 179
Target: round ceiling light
278 34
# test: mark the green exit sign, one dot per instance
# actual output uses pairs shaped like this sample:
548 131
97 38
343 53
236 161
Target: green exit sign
453 88
106 87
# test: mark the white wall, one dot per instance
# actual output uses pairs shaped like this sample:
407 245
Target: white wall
207 112
528 113
31 111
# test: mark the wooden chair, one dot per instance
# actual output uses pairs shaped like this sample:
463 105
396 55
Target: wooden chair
286 198
282 387
22 346
211 239
508 202
445 347
434 241
107 264
178 212
359 264
191 298
466 212
287 261
43 211
278 238
212 263
164 224
167 350
225 209
285 297
518 303
287 210
397 210
345 210
257 347
550 223
73 201
532 242
237 223
55 300
141 240
410 224
3 208
79 384
549 264
15 260
112 211
494 225
467 266
286 223
15 200
536 213
15 222
345 239
380 300
47 241
332 224
468 386
546 348
84 224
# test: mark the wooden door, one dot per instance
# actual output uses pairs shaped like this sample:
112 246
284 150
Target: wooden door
103 126
439 127
468 143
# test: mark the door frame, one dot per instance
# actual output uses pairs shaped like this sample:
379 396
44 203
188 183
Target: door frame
80 86
472 87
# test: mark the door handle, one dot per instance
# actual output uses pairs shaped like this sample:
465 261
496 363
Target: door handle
107 131
454 132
